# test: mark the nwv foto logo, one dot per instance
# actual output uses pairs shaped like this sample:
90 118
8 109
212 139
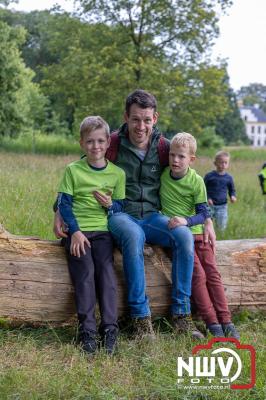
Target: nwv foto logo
223 365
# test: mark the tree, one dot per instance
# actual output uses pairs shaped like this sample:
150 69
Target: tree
16 86
5 3
255 93
230 126
181 29
196 99
11 77
93 71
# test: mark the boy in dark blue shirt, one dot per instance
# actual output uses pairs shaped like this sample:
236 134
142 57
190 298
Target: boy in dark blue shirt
218 184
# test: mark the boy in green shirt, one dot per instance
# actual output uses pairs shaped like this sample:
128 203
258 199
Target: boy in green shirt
184 201
89 244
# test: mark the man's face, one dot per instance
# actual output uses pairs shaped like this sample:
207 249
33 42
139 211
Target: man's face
140 122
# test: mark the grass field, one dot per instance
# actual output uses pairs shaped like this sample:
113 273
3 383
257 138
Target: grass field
29 184
44 364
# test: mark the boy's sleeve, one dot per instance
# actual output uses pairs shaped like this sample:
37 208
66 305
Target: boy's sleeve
202 212
120 187
117 206
65 202
231 187
67 183
200 195
66 186
200 201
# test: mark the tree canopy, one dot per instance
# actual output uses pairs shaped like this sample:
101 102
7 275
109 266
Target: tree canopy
255 93
88 63
183 30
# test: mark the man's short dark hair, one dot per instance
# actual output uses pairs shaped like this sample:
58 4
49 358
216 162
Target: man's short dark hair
142 98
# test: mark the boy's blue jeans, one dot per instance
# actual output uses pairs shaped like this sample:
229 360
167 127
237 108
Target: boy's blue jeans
220 215
130 235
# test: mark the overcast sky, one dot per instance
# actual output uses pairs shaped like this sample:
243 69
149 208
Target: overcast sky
242 39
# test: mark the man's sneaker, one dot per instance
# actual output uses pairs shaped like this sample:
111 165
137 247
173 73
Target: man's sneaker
143 328
109 340
183 324
230 330
216 330
88 341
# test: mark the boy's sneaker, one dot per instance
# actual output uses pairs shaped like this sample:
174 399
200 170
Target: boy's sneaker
230 330
183 324
216 330
143 328
88 341
109 340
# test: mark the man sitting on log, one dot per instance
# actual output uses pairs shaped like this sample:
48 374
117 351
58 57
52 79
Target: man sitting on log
141 151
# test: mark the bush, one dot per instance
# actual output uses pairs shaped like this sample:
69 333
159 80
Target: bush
209 139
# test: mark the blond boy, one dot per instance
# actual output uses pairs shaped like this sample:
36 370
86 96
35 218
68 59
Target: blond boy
184 201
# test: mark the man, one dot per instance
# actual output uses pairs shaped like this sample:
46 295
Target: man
141 221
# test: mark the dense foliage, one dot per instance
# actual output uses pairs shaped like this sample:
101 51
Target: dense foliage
255 93
75 65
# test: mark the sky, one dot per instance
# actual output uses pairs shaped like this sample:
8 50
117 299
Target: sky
242 40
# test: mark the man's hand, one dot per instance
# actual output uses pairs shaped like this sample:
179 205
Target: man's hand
210 202
78 243
176 221
209 233
104 199
233 199
59 228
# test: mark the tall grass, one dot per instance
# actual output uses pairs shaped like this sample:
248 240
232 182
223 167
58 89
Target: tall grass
37 143
28 188
29 184
44 363
247 217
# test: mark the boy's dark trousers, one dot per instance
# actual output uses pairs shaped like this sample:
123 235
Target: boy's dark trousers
93 277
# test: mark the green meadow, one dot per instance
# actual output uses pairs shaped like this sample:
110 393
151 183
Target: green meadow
29 184
44 364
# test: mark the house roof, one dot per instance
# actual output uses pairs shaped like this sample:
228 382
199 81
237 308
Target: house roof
259 114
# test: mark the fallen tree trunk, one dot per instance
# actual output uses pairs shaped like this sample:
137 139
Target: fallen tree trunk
35 285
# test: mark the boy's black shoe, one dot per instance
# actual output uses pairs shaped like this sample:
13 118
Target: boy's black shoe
230 330
88 341
109 340
216 330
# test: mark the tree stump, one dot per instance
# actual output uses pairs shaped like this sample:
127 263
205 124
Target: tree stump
35 286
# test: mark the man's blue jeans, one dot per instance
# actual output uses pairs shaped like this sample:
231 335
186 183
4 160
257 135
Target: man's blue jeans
130 235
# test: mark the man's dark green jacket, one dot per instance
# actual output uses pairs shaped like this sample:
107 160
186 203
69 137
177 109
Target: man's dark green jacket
142 176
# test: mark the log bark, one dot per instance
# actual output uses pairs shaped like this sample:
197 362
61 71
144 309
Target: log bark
35 285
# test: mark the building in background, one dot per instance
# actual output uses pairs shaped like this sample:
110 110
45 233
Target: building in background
255 123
